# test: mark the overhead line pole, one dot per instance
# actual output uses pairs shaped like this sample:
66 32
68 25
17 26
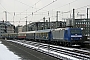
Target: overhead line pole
57 18
44 22
5 15
73 22
87 14
26 23
88 21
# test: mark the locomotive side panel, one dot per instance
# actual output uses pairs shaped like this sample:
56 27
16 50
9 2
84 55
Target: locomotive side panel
58 35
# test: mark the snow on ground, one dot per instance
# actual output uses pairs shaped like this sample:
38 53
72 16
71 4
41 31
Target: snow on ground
5 54
52 53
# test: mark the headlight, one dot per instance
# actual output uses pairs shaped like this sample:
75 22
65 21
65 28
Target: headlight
80 38
71 38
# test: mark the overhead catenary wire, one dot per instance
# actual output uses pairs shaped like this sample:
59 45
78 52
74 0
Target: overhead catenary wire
46 6
42 7
66 4
50 4
28 5
3 7
82 7
24 4
36 3
7 11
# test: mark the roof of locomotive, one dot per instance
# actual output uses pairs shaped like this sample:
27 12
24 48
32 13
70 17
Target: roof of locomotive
58 29
64 28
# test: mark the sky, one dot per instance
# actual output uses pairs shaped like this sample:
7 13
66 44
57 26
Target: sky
35 10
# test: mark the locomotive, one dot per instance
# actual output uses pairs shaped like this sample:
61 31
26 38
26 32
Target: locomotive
63 36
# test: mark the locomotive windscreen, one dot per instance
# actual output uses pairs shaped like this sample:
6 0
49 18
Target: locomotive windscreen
75 31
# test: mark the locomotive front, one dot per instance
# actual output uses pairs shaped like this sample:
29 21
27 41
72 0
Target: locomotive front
74 35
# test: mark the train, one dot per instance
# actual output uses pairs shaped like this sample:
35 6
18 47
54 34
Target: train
62 36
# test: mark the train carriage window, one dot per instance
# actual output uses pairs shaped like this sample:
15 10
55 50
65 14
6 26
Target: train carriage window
46 35
32 34
42 35
37 34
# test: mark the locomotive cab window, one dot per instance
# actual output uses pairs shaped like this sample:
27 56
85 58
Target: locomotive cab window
74 31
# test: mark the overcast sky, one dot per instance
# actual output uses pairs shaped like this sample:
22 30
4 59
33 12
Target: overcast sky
34 10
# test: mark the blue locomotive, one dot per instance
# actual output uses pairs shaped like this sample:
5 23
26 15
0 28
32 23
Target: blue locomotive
63 36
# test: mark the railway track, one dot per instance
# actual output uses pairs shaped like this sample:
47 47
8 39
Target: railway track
59 52
77 53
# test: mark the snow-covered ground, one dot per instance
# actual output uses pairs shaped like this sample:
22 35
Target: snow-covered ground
46 51
5 54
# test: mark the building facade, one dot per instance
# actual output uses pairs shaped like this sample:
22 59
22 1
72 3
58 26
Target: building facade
79 23
2 28
85 24
6 27
18 29
44 25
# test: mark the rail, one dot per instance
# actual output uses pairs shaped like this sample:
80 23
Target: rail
59 52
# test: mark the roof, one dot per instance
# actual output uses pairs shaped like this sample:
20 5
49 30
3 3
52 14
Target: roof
47 30
31 32
6 23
